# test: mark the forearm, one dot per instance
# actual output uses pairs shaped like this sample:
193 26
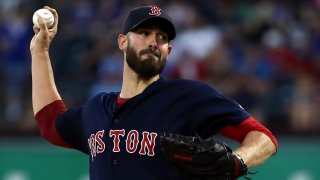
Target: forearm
256 148
44 90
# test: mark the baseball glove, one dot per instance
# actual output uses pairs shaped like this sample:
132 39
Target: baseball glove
202 159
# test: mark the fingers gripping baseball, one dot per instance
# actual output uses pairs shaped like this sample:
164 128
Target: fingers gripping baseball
44 35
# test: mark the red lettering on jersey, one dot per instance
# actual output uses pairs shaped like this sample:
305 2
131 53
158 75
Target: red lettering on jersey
116 139
92 145
96 144
155 10
132 141
148 143
100 143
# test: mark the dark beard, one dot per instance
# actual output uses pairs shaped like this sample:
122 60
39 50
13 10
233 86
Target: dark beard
146 68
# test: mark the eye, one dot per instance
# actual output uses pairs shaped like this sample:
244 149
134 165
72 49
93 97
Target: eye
163 37
144 33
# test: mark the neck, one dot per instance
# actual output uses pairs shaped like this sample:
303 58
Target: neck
132 85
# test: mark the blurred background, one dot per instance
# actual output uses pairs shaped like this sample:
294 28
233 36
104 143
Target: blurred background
264 54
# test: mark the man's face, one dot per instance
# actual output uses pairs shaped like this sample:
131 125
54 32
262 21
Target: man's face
147 52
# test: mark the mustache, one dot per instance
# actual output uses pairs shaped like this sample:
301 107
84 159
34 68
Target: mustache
149 51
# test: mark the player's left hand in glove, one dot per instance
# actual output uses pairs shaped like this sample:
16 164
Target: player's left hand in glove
203 159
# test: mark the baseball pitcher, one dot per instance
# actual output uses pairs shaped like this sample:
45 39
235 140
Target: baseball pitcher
153 128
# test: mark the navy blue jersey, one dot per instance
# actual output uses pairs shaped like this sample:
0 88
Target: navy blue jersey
124 142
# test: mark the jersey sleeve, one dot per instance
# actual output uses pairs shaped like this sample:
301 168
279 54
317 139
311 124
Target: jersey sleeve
240 131
62 126
212 111
69 125
46 120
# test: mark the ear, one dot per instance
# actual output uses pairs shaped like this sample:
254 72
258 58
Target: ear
122 42
169 49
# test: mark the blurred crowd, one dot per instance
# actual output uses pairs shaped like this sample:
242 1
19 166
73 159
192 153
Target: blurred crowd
265 54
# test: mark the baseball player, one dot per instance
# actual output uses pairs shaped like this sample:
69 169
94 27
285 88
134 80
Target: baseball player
121 131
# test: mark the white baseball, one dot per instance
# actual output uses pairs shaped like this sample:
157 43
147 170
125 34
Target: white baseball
46 15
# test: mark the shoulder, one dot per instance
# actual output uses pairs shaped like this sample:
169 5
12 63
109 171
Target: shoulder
191 86
199 91
102 98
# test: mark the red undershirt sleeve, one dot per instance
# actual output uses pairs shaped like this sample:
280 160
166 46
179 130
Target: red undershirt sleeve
46 119
239 132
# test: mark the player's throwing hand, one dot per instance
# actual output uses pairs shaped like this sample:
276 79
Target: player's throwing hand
43 36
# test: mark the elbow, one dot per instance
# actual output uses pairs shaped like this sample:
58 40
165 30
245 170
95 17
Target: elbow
49 132
273 147
48 135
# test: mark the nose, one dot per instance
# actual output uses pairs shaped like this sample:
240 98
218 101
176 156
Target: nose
153 41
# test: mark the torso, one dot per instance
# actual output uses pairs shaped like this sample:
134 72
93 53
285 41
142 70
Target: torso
124 142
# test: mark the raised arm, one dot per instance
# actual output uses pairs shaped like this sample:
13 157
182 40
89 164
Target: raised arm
44 90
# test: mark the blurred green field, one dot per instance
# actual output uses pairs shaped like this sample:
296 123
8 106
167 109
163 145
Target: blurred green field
35 159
